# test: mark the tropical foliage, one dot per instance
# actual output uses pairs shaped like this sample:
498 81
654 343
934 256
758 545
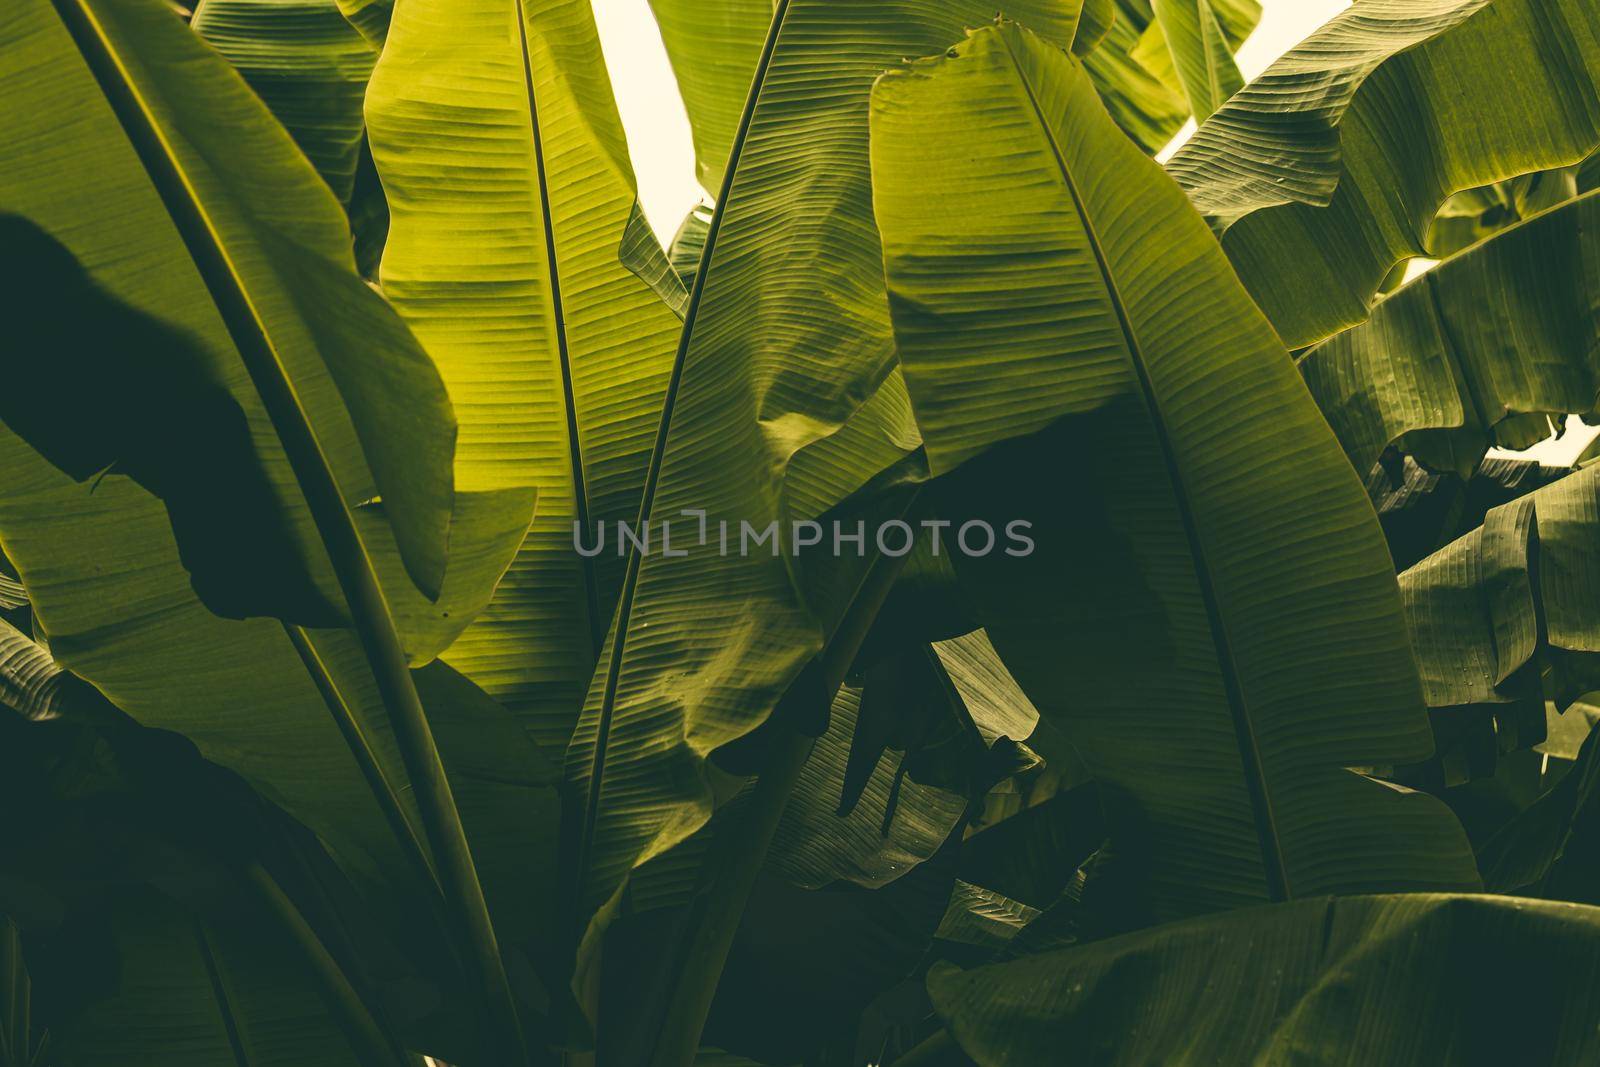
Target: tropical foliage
975 595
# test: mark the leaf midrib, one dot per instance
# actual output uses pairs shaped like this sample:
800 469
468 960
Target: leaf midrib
557 312
657 455
1273 863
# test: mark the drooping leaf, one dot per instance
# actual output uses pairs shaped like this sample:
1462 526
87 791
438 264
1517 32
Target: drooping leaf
1476 352
1133 66
30 681
1315 168
109 582
503 256
1422 511
1568 730
954 713
1377 979
1468 217
784 402
230 295
369 17
1200 53
1506 612
1140 99
308 65
982 919
1031 856
1032 278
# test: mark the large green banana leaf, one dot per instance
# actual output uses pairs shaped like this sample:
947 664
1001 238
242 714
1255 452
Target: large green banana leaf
200 193
279 409
308 65
1381 979
1055 300
772 367
1475 352
1329 167
503 257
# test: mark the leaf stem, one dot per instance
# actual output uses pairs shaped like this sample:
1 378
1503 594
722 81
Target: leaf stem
372 1046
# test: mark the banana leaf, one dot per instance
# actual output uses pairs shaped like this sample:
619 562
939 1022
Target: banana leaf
1552 849
713 48
1031 252
895 824
308 65
1469 217
1421 511
502 256
215 357
1481 350
150 928
369 17
784 402
1366 979
1507 607
1130 69
784 407
1316 169
1200 50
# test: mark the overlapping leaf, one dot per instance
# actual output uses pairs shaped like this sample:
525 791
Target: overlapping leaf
1422 511
1492 611
192 330
503 257
1200 51
1055 296
1328 168
308 65
785 402
1477 351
